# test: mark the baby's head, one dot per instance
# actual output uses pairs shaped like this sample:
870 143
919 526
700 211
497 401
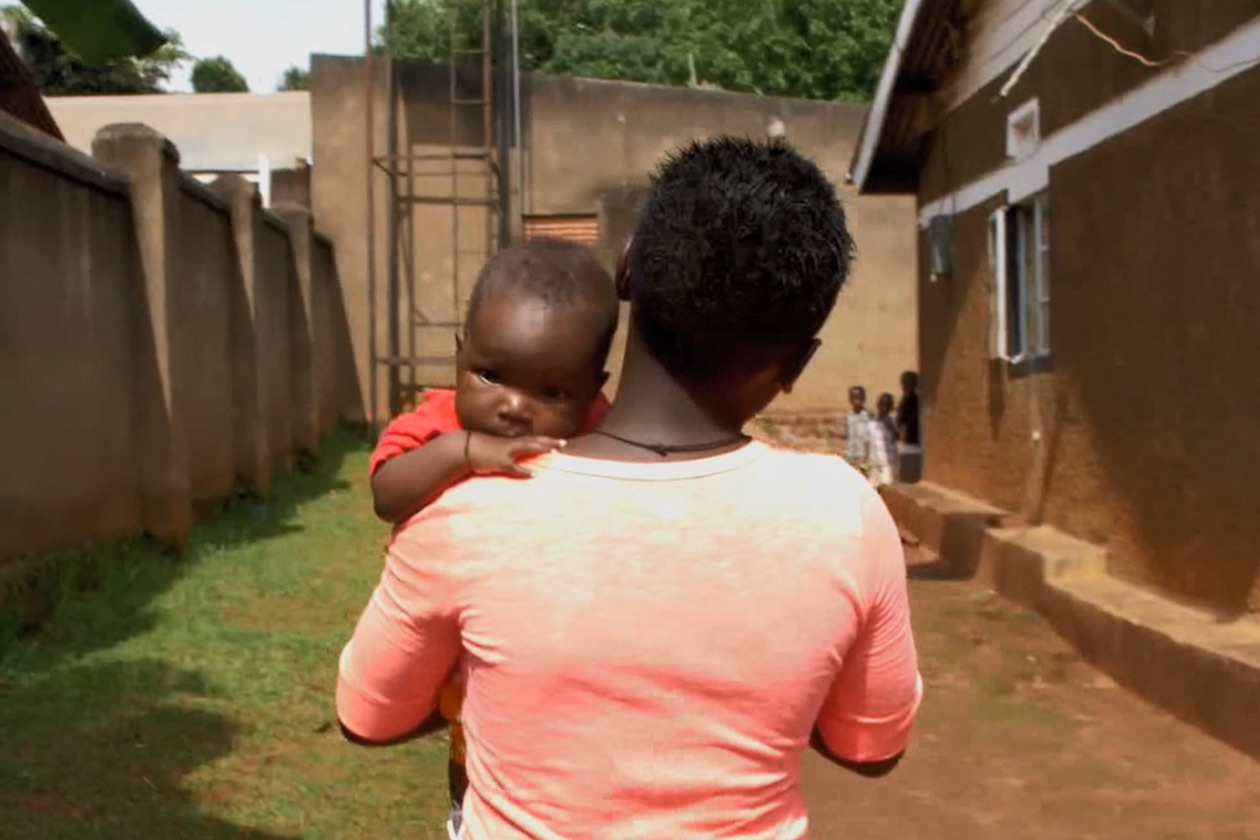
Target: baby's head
540 323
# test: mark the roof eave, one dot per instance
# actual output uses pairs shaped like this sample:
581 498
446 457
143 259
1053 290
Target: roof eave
19 94
873 127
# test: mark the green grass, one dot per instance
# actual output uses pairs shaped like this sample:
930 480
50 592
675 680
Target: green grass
193 697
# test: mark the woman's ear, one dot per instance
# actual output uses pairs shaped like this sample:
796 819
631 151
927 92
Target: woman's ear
622 278
792 370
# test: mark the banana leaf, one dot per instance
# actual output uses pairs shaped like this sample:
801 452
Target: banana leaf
99 30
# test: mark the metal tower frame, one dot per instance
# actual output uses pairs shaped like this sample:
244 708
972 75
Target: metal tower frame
481 70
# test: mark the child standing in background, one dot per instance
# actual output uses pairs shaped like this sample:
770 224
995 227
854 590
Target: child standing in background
857 430
908 411
882 443
911 450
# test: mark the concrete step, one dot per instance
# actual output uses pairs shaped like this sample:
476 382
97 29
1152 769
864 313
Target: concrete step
1202 666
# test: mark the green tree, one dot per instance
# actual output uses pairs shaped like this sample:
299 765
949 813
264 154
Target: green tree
296 78
422 29
99 31
821 49
217 75
60 71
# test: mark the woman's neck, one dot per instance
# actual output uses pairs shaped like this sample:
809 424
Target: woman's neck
651 405
653 410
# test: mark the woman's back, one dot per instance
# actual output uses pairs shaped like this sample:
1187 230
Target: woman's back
651 640
651 663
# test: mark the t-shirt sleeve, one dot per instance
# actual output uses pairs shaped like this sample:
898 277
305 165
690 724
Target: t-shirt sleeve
405 645
412 430
870 709
599 410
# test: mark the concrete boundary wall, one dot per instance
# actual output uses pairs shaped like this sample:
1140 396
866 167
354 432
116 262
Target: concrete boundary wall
163 344
81 425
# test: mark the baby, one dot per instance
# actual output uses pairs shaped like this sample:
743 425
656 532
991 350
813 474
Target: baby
530 367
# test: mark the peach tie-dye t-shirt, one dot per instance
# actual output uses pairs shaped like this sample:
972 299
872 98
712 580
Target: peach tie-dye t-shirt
647 646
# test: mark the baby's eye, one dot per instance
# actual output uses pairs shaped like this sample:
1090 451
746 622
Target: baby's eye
490 377
554 394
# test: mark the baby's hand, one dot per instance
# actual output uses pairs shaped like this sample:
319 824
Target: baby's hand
490 455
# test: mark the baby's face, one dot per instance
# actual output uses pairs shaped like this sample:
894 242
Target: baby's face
528 368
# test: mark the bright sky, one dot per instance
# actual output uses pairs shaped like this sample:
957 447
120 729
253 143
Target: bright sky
262 38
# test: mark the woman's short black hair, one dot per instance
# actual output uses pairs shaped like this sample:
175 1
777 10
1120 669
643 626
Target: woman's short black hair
742 246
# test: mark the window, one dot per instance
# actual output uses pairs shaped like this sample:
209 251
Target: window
940 241
1019 254
583 230
1023 130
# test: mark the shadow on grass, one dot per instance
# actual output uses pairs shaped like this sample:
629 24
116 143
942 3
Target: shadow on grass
96 745
78 601
104 750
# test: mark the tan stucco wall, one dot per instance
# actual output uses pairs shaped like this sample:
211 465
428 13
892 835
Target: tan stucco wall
215 132
1147 423
132 354
75 370
589 142
336 382
201 371
272 325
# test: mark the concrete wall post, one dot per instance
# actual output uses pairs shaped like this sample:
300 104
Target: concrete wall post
151 162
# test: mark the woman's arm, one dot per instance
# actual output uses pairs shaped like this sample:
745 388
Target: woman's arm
865 722
405 645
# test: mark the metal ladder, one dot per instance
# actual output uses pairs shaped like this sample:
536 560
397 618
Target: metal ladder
460 161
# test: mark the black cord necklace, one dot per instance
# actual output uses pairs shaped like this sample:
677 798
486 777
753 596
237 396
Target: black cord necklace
664 449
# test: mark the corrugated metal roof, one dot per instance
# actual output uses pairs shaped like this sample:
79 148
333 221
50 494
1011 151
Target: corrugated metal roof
19 95
214 132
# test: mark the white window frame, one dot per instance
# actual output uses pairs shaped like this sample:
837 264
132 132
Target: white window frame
1008 227
1023 130
1041 273
997 293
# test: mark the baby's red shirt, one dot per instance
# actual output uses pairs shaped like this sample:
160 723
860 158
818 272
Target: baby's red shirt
436 417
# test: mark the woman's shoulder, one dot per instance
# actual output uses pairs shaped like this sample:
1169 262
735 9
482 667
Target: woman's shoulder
823 470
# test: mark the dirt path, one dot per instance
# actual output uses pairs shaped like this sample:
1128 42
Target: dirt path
1020 740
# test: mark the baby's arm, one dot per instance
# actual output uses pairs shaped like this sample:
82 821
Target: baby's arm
408 483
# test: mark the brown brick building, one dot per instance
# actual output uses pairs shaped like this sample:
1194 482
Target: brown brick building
1089 248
